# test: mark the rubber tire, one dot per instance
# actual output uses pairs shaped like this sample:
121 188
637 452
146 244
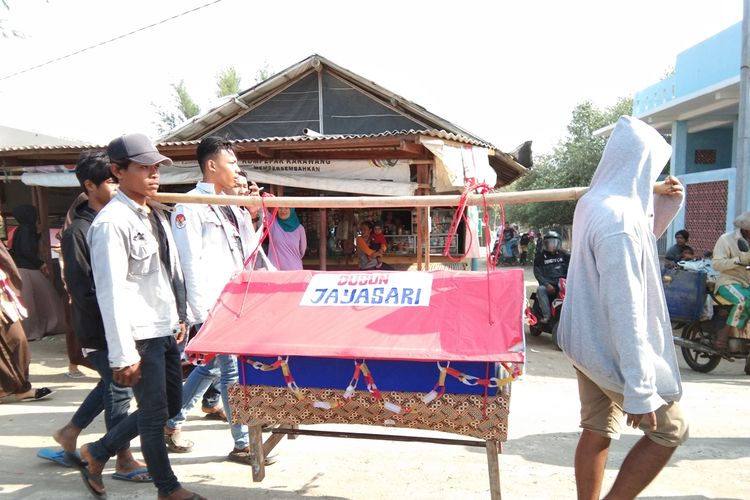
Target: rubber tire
534 330
698 361
554 337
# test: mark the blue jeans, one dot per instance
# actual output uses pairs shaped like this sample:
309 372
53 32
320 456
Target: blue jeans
199 380
159 394
107 396
212 396
223 367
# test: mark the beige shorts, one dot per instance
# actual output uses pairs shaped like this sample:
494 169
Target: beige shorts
602 413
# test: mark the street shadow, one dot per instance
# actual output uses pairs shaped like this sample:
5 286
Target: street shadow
536 448
692 497
34 480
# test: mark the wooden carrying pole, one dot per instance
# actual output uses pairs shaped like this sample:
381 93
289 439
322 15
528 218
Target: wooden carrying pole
542 195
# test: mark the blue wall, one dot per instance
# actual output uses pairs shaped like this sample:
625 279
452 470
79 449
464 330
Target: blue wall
719 139
703 65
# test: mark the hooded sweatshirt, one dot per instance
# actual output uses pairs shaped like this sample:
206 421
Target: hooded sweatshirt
87 319
614 326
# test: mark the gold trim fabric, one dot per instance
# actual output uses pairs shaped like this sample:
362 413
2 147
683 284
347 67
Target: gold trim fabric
454 413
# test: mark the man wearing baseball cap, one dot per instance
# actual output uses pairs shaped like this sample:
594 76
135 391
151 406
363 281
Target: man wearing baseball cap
141 294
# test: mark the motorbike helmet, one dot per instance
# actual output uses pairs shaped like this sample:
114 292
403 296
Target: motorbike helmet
552 241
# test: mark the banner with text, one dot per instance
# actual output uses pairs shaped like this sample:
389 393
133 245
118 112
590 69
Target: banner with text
369 289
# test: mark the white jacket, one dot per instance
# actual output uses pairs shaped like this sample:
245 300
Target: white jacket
135 292
614 325
209 251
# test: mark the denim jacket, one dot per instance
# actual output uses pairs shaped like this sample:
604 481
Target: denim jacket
139 299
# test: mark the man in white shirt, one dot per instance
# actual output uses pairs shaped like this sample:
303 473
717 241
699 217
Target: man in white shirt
141 292
214 242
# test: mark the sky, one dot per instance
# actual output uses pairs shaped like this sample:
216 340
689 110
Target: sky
507 71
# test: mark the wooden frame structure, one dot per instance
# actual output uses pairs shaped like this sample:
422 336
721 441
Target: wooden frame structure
405 145
260 448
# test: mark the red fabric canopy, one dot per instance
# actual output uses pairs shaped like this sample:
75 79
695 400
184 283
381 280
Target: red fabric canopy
420 316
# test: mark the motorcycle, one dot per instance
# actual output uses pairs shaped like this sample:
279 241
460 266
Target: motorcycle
538 327
698 337
508 253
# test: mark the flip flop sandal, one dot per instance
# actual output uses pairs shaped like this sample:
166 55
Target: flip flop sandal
176 444
82 466
56 456
132 476
76 374
246 458
39 394
216 414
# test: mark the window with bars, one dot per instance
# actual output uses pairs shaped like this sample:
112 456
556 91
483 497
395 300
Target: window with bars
705 156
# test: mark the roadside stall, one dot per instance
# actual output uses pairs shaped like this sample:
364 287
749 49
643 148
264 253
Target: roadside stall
401 163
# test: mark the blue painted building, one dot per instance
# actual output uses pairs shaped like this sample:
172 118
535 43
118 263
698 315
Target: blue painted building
697 108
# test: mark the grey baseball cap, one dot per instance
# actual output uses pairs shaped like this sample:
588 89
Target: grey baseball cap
136 148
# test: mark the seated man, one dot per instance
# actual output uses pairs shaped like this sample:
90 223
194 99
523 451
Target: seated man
734 279
550 264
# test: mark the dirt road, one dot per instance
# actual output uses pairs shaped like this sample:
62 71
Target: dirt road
536 461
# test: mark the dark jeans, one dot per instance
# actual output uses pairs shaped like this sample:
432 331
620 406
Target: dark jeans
107 396
159 395
544 299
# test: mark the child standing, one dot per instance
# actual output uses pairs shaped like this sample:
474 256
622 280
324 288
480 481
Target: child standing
378 242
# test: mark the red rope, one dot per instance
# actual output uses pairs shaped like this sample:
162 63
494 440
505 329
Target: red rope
253 255
459 214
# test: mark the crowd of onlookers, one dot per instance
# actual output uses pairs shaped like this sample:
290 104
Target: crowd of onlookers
122 252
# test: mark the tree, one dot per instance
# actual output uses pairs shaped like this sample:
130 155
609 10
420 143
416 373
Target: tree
185 108
571 164
263 73
8 32
228 82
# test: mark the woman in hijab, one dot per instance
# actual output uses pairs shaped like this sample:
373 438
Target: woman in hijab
288 240
42 301
14 349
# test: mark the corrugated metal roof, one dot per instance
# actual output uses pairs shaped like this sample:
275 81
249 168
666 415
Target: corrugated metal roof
441 134
221 114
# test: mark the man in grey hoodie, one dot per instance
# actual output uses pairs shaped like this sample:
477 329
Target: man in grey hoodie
614 326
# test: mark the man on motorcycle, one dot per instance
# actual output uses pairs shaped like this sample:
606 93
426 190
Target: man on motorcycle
734 280
550 264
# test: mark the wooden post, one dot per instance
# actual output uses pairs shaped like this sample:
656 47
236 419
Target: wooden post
427 230
418 233
256 448
423 218
509 198
323 238
493 464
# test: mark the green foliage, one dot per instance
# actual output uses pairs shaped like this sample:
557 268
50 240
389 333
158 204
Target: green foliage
571 164
263 73
228 82
185 108
185 103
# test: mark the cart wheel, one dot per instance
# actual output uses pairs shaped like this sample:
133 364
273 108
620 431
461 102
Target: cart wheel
698 361
535 330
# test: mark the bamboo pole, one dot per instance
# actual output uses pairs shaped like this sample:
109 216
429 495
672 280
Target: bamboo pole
541 195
